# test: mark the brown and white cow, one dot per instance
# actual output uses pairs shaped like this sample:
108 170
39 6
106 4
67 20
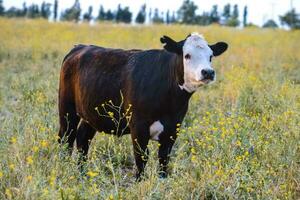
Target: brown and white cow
157 83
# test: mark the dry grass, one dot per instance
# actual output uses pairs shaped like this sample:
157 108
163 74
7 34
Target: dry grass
240 139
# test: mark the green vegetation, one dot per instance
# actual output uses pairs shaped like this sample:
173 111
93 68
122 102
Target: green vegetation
186 14
240 138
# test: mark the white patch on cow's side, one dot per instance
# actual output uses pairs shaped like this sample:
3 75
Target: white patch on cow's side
199 59
155 130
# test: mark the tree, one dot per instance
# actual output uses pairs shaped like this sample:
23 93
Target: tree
291 19
55 7
119 13
126 15
235 14
252 25
73 13
24 9
168 19
109 15
187 12
13 12
233 22
226 12
156 17
1 8
173 18
141 16
101 14
150 15
214 15
123 15
245 15
234 19
88 15
33 11
45 10
162 15
204 19
270 24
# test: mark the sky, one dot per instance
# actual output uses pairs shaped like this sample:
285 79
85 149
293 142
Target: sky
259 11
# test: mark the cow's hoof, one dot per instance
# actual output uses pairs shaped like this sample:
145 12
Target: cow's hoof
139 177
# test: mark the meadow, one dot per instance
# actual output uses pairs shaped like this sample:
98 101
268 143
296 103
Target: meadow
239 140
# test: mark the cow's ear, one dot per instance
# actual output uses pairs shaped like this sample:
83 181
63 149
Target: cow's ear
218 48
171 45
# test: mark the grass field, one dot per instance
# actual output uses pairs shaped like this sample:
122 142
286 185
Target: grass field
240 138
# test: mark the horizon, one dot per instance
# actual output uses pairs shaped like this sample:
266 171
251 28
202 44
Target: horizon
258 12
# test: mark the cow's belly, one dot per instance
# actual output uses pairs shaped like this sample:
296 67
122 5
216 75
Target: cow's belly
107 125
103 118
100 104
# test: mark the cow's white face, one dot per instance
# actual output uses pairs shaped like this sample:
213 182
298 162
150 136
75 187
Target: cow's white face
197 57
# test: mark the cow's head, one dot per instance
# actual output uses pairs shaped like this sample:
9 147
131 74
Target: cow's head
197 55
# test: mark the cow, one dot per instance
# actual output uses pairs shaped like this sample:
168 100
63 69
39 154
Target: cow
155 86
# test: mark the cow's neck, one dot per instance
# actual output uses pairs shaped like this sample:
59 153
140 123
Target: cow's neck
178 72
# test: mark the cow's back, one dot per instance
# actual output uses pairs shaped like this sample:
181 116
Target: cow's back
90 77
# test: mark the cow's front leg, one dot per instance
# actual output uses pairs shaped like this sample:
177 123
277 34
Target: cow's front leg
140 139
164 151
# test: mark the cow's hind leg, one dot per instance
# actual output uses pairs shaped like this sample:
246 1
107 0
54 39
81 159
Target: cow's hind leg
85 134
68 120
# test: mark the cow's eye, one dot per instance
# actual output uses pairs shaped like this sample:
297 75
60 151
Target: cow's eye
187 56
210 58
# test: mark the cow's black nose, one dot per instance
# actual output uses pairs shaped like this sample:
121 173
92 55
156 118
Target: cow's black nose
208 74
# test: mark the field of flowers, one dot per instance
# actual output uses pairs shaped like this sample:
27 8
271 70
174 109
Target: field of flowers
240 138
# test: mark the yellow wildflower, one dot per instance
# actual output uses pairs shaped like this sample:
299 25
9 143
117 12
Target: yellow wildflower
35 148
223 135
193 150
44 143
11 166
111 114
92 174
111 197
13 140
236 125
194 159
238 158
56 137
8 193
29 160
29 178
45 191
219 172
52 180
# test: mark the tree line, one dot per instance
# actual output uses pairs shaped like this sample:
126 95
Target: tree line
229 15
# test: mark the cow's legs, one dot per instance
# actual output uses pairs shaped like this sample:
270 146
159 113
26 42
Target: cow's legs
140 139
68 120
85 134
164 151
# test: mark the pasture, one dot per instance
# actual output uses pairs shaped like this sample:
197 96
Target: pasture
239 140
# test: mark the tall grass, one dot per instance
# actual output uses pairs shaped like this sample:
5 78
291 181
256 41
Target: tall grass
240 138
